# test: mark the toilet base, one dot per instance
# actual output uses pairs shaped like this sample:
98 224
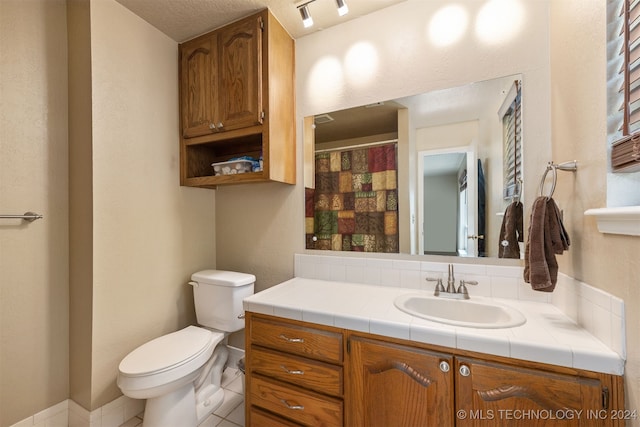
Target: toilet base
209 399
177 408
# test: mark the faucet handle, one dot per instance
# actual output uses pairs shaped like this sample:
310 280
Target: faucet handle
462 289
439 287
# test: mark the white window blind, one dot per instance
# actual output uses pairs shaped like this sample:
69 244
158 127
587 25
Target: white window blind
511 116
623 84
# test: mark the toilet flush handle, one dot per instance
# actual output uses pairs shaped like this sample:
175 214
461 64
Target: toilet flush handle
194 284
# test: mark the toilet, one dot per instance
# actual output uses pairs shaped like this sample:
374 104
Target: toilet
179 374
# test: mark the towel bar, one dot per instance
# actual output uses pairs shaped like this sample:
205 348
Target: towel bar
27 216
571 166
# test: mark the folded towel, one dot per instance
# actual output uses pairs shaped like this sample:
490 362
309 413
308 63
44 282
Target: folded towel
547 238
511 231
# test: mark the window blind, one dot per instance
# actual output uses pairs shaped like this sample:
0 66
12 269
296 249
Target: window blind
623 86
511 115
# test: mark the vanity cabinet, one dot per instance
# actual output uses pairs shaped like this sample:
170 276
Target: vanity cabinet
398 385
294 373
305 374
507 394
237 99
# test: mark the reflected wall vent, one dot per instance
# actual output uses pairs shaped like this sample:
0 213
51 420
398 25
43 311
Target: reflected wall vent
322 118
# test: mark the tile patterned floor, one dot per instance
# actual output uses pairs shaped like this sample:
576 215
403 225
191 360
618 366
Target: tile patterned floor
229 414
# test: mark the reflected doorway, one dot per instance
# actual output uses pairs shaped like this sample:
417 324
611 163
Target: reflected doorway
448 202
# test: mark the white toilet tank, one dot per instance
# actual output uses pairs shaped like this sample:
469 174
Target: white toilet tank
218 298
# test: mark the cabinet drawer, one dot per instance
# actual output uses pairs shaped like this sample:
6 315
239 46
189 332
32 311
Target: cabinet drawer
314 375
260 418
305 407
309 342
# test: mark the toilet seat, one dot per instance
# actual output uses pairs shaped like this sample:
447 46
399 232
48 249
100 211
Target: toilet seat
168 358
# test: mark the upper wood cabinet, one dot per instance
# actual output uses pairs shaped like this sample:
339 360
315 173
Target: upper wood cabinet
199 70
228 105
240 92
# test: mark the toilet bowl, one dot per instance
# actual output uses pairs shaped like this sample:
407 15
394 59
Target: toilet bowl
179 374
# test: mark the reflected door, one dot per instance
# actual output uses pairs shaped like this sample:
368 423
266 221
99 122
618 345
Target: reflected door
447 205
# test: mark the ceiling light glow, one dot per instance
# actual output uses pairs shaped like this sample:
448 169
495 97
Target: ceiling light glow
361 63
499 21
448 25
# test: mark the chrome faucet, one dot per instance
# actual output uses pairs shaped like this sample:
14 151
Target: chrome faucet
462 289
451 291
451 281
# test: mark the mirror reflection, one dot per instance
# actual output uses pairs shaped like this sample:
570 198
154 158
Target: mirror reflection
426 174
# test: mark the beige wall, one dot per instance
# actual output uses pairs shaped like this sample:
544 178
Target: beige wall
120 237
578 75
149 234
249 237
33 177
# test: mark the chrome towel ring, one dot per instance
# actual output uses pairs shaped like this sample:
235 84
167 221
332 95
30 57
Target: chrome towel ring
571 166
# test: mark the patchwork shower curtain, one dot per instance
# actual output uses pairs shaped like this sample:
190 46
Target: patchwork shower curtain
354 206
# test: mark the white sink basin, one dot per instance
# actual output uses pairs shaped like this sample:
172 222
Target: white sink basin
471 313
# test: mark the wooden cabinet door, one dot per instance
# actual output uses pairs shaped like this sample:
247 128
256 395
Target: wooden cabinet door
240 90
198 78
399 386
498 395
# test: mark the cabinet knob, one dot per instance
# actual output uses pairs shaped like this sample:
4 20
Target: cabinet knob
444 366
220 125
464 370
212 126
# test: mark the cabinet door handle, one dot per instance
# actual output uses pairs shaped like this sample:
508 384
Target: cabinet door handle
290 406
464 370
292 371
212 126
444 366
287 339
220 125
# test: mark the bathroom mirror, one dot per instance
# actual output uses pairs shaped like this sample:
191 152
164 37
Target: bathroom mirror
445 142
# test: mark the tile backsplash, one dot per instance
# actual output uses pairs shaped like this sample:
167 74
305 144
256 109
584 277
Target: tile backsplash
600 313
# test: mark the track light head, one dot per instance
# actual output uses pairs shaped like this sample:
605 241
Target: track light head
307 20
343 9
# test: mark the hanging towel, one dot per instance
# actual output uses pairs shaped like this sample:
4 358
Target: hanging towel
511 231
547 238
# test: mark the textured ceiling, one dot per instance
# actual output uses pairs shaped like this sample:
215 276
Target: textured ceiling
184 19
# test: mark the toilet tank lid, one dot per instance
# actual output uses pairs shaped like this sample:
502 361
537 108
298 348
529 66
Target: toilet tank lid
223 278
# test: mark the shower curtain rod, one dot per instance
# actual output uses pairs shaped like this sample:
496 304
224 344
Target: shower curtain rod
349 147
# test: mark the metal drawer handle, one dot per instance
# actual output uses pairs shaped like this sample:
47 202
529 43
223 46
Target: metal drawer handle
286 338
292 372
290 406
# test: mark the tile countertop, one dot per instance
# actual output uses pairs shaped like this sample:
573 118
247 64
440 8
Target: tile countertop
548 336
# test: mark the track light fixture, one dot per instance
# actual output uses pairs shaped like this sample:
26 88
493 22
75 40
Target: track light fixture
343 9
307 20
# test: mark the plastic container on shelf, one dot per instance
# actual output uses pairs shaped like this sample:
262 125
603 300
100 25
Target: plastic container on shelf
232 167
